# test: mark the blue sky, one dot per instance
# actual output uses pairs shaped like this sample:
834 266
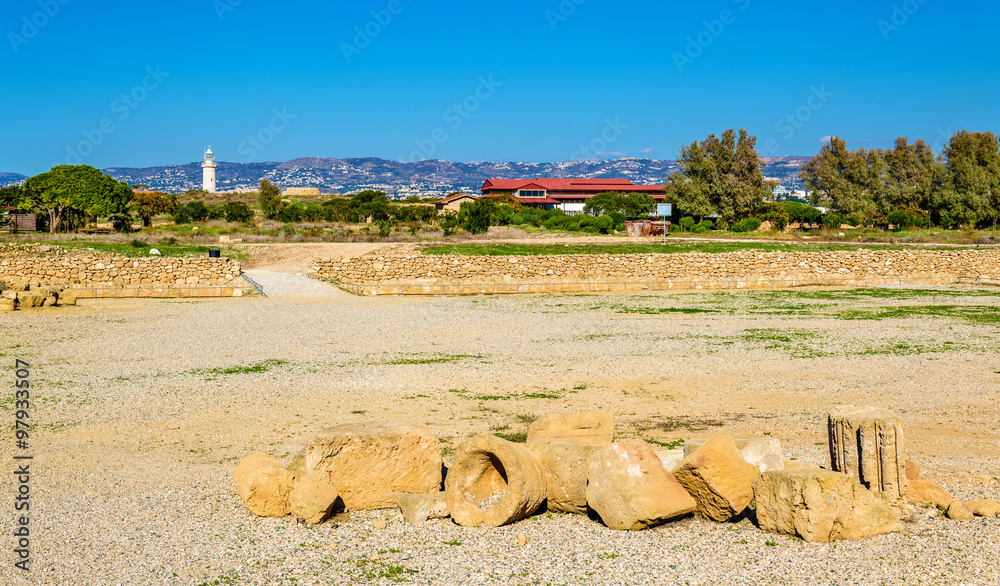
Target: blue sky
117 83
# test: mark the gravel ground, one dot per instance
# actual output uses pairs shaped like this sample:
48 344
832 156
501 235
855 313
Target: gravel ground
144 408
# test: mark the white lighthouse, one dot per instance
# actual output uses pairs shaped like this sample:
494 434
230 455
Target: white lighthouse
208 172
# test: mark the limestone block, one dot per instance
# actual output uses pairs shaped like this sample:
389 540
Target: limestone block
417 508
820 506
367 463
958 511
925 492
586 427
566 465
264 485
867 444
631 490
312 499
718 478
984 507
493 482
763 452
911 469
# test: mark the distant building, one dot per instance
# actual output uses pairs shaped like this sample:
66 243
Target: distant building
303 191
11 220
568 195
453 202
208 171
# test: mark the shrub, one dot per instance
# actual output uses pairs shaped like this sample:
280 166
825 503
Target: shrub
617 220
197 211
168 241
686 223
385 228
449 223
290 212
775 214
833 221
237 211
313 213
703 227
800 212
122 223
908 218
136 243
503 215
288 231
217 212
746 225
478 215
604 224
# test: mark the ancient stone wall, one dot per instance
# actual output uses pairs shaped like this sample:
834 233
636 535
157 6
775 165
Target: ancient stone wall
53 265
418 269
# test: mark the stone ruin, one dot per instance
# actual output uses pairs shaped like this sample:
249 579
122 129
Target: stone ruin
572 464
34 295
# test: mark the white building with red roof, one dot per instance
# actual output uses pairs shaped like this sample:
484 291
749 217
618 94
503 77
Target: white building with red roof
568 195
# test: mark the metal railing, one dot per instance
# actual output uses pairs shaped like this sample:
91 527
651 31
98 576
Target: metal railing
253 283
404 289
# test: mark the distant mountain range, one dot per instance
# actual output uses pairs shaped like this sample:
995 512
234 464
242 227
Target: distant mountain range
430 178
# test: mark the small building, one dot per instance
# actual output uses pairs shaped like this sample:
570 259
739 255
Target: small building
304 191
10 220
452 203
568 195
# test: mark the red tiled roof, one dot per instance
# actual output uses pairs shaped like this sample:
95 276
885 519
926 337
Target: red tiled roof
457 196
570 185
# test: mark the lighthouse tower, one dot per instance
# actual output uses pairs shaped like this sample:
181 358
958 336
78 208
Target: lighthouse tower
208 172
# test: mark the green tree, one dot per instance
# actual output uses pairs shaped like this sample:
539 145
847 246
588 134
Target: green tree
11 195
70 191
605 202
841 178
369 204
974 162
149 205
637 205
269 198
478 215
909 174
719 176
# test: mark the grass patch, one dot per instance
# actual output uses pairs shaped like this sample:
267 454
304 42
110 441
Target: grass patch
255 368
517 437
675 247
670 445
370 570
128 249
430 359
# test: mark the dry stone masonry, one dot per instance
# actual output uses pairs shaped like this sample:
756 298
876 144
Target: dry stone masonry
573 463
22 264
746 267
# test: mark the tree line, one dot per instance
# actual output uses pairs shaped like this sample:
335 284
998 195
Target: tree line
958 188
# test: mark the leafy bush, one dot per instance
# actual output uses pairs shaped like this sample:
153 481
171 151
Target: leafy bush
907 218
193 211
703 227
503 215
168 241
237 211
603 223
686 223
217 212
449 223
833 221
289 231
746 225
478 215
290 212
775 214
313 213
617 220
385 228
800 212
121 223
136 243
